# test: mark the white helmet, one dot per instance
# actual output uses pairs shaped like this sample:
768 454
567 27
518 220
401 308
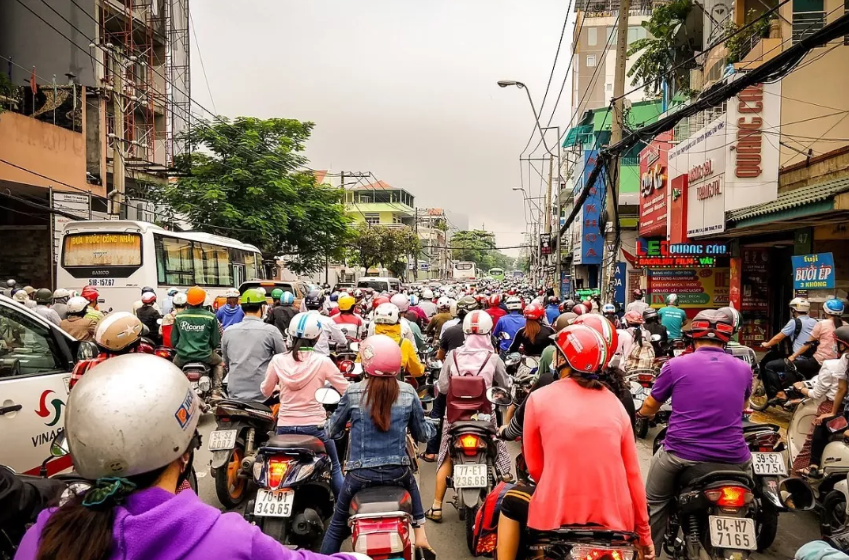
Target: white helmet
20 296
387 314
477 322
180 299
61 293
443 303
77 304
305 325
154 428
427 293
513 303
232 292
800 305
400 301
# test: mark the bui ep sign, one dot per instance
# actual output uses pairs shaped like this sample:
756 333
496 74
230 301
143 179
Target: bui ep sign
813 272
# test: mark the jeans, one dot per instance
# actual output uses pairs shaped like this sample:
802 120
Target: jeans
660 489
438 411
772 378
336 479
360 479
215 361
807 367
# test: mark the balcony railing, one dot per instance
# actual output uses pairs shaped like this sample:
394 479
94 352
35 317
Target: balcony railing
60 105
608 8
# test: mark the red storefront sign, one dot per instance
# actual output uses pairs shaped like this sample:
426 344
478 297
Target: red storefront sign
678 210
654 193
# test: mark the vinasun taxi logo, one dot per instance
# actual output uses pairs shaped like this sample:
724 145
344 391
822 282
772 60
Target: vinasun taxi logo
53 411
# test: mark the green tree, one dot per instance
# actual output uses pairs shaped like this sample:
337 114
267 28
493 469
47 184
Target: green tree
478 246
387 247
663 49
242 179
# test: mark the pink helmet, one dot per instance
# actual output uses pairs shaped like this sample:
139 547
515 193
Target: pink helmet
401 301
579 309
381 356
634 318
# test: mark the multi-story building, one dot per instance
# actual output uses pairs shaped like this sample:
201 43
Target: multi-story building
106 97
432 227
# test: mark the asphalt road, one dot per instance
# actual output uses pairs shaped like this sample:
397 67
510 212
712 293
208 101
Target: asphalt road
448 537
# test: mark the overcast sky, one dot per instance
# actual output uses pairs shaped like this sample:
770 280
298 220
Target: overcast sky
403 88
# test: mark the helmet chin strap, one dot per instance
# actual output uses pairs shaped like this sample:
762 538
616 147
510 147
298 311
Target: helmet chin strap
187 468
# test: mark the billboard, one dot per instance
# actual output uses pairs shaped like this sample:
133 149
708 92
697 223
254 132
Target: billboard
654 179
591 246
696 287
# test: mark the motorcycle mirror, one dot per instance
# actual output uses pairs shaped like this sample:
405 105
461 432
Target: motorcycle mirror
796 494
59 447
327 395
87 350
159 321
355 347
498 396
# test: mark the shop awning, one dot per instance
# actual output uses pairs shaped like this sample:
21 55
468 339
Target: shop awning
813 199
576 135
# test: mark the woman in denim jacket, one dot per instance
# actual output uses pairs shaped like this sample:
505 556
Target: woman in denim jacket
380 409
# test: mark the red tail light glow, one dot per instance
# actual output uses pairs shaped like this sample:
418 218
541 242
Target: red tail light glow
163 354
470 444
277 467
380 537
645 379
730 496
586 553
346 366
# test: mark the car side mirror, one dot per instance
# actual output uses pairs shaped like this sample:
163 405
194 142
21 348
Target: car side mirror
87 350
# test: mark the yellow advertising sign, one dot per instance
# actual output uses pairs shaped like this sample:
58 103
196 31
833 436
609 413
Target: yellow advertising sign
696 287
102 249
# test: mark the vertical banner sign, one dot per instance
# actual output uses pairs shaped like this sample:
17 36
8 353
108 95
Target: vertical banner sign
545 244
654 169
592 240
619 285
565 284
74 204
735 290
813 272
678 210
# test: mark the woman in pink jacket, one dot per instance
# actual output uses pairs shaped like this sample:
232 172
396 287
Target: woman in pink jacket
588 473
296 375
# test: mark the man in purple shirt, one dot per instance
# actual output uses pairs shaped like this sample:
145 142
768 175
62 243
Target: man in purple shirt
709 390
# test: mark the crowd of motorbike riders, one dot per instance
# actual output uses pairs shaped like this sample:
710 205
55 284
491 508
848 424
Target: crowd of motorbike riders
576 422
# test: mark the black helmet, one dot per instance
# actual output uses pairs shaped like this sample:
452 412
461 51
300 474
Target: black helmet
712 324
43 295
841 335
553 300
638 293
314 300
147 289
649 314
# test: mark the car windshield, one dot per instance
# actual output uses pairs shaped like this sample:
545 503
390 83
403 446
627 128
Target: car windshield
376 285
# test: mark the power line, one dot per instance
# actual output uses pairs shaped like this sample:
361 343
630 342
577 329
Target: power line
200 57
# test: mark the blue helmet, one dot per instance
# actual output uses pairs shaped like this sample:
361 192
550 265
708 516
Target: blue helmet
288 298
414 299
334 296
833 306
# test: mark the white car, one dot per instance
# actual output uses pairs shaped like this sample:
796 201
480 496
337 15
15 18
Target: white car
36 361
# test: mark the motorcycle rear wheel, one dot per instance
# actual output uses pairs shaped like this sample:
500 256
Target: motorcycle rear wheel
641 427
229 486
833 515
758 400
767 525
471 514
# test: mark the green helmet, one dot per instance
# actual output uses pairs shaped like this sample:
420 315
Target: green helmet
253 296
276 294
44 295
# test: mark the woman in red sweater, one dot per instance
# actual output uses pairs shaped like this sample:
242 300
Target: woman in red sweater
579 447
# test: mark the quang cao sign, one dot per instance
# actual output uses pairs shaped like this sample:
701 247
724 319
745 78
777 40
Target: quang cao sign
663 254
695 287
813 272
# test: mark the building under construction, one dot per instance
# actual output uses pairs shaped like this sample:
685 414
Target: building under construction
94 98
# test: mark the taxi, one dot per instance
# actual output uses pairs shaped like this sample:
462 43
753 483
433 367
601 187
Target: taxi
36 361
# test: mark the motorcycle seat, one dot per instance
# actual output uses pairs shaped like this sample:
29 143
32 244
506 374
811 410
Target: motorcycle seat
256 405
196 365
749 426
381 499
703 474
478 426
296 442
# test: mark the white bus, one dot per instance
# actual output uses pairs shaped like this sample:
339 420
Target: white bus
464 270
121 257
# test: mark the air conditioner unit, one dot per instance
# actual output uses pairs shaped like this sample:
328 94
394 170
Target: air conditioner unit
141 210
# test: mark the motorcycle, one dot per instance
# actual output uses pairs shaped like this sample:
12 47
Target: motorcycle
199 375
242 427
582 543
524 371
472 446
759 400
294 501
641 382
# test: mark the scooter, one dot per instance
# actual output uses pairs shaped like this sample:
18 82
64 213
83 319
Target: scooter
641 382
582 543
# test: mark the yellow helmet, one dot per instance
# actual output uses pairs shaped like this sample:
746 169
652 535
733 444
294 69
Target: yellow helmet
346 302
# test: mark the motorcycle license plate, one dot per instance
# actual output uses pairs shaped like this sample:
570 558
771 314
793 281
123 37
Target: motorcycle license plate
469 476
769 464
732 532
222 439
274 503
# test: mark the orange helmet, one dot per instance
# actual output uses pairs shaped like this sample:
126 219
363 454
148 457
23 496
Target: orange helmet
195 295
379 301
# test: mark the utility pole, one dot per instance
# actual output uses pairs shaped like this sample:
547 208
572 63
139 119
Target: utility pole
548 209
611 248
118 169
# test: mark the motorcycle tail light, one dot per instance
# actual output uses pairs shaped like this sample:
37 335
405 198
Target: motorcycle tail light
346 366
645 379
766 442
163 354
193 375
730 496
594 553
470 443
277 467
380 536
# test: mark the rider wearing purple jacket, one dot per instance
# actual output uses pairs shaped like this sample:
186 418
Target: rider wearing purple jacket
138 452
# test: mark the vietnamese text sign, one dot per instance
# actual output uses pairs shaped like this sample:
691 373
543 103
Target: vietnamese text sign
696 287
663 254
654 170
619 284
592 240
813 272
75 204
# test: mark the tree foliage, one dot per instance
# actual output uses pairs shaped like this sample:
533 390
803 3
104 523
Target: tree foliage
242 179
478 246
661 50
375 245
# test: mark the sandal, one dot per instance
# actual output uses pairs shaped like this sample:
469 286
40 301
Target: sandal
428 457
434 514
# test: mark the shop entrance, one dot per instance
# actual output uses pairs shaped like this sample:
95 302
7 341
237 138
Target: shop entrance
766 288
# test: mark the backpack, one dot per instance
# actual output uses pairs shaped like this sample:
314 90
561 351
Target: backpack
485 535
466 393
797 330
642 356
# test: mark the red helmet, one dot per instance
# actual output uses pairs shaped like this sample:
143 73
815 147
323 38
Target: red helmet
582 347
494 300
579 309
603 327
379 301
511 292
534 312
634 318
90 293
713 324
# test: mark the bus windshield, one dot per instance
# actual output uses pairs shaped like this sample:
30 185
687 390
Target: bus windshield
464 266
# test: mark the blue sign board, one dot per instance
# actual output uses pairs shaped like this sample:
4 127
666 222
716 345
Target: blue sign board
813 272
565 284
592 239
619 284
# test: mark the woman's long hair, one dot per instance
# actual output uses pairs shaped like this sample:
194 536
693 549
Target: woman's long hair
638 335
300 343
838 322
532 329
79 532
381 394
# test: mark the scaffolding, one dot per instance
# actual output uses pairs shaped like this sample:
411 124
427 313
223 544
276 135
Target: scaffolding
148 41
